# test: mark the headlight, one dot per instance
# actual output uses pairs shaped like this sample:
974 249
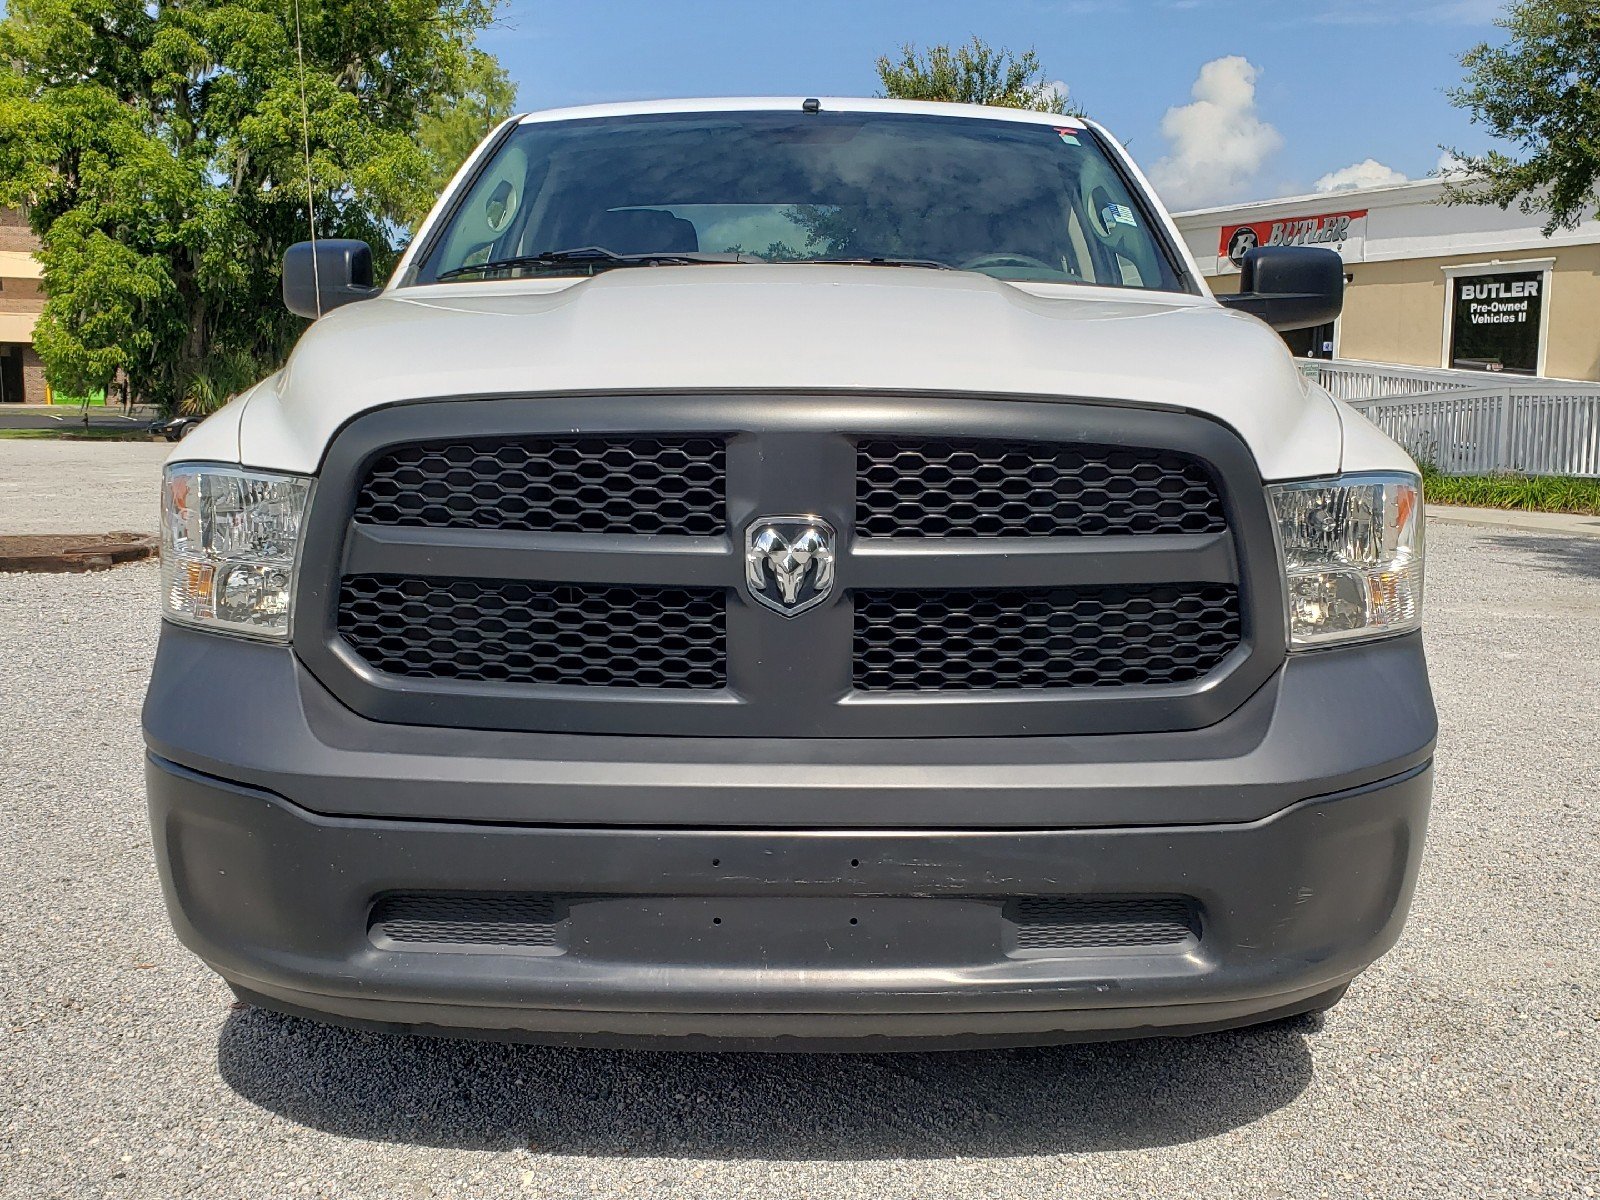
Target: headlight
229 544
1352 556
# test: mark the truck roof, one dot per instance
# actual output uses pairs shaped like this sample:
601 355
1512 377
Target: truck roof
633 108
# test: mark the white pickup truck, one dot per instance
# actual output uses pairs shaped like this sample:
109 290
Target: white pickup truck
792 574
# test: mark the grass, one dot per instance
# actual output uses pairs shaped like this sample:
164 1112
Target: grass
76 434
1531 493
95 400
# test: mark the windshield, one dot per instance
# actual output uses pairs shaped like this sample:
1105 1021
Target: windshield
1009 199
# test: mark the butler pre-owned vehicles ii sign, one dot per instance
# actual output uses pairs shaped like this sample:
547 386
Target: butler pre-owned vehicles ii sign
1496 322
1331 230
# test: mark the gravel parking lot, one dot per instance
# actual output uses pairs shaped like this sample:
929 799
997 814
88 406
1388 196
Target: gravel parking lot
1464 1064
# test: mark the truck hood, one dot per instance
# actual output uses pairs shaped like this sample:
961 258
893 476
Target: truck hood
791 328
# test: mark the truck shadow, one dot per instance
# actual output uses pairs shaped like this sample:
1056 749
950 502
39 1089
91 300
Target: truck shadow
1562 555
495 1096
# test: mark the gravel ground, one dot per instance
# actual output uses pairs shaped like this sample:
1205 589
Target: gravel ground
1464 1064
80 487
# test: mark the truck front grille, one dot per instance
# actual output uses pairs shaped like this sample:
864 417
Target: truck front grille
941 641
1078 569
503 631
913 488
552 485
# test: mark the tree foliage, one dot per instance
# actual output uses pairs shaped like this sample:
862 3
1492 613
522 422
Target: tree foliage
160 150
455 122
1540 92
974 73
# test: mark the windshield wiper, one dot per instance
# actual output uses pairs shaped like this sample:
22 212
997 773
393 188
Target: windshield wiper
593 257
931 263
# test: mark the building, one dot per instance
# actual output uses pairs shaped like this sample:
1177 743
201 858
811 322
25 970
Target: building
1467 287
21 301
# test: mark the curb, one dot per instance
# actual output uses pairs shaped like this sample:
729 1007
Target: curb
1524 520
57 553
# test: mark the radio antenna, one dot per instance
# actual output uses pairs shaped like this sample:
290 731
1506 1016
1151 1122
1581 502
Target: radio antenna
305 144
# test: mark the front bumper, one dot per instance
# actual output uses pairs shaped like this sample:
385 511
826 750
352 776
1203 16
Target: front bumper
730 938
864 908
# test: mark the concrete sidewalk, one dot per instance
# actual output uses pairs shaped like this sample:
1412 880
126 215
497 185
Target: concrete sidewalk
1552 524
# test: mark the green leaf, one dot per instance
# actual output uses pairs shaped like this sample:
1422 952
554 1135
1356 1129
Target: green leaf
1540 93
974 73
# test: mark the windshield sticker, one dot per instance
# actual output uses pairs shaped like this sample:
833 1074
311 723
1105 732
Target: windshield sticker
1118 214
1069 136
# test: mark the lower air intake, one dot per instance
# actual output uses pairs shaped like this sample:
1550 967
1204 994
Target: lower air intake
1045 923
422 919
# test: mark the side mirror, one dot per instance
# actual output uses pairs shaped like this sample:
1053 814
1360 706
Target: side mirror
320 276
1290 287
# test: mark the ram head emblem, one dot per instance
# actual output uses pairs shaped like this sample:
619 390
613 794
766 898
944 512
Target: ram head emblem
788 562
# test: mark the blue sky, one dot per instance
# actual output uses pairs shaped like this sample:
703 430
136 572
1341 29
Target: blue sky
1304 88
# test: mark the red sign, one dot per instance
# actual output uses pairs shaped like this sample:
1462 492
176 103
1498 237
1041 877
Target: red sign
1327 229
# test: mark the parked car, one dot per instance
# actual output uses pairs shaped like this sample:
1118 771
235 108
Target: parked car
174 429
792 574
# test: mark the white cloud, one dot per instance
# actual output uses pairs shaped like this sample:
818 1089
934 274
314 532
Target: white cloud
1060 89
1450 166
1367 173
1217 144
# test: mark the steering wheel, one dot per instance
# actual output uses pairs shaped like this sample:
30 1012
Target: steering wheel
1008 258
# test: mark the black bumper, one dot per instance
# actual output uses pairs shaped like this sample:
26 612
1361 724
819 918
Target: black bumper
810 917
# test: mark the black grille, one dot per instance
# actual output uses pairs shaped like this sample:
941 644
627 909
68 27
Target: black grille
982 640
1084 923
979 489
552 485
547 633
444 919
1002 568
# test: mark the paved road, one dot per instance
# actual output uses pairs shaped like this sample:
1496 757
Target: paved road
1463 1065
55 416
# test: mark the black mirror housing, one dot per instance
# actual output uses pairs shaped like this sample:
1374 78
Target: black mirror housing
1290 287
322 275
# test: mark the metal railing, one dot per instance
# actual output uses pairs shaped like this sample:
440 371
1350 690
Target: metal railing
1470 423
1350 380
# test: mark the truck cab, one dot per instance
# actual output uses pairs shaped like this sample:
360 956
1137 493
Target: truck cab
792 574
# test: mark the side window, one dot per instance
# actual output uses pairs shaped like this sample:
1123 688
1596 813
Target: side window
489 211
1114 222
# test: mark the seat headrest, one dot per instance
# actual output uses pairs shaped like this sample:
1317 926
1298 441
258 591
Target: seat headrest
644 231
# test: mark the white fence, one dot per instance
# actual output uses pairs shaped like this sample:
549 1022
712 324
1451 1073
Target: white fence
1469 423
1352 381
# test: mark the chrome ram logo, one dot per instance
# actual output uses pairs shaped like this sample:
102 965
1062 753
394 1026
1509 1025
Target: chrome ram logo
788 562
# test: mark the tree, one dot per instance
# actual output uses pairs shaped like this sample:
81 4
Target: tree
1541 93
160 148
454 124
975 73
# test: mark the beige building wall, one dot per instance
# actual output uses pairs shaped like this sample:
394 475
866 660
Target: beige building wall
1397 242
1575 314
1395 311
21 301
